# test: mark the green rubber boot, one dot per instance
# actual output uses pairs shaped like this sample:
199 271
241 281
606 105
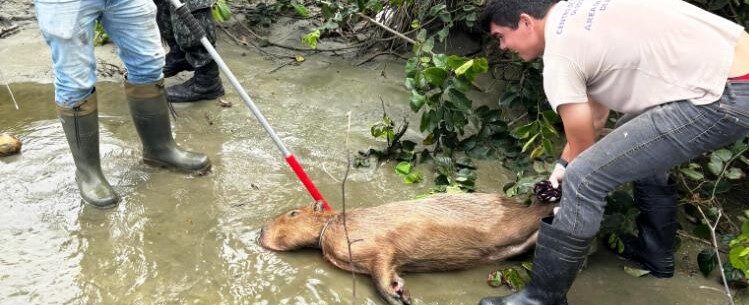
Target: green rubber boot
81 126
148 107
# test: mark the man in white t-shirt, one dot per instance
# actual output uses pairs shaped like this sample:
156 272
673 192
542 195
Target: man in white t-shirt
680 74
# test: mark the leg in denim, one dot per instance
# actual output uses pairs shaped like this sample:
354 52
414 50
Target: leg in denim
132 27
68 28
659 179
647 146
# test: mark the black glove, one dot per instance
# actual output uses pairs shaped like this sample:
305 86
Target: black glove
546 193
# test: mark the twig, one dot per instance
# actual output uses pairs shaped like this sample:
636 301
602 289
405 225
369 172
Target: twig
387 28
697 239
378 54
248 43
517 119
281 66
715 247
325 170
7 85
8 31
343 209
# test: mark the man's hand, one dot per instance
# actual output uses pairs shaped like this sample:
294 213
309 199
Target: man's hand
557 175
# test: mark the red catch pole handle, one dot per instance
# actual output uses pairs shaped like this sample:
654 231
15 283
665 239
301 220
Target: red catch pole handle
302 175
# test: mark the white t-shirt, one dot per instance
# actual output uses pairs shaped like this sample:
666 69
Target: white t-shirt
630 55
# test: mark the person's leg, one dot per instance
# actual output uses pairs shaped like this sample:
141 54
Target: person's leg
650 144
68 29
656 198
653 247
132 26
205 83
148 107
175 58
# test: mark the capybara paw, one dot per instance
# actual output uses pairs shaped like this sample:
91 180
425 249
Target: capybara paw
400 292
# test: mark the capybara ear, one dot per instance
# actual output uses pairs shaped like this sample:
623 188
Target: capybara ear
317 206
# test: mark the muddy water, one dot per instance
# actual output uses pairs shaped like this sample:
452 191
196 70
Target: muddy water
177 239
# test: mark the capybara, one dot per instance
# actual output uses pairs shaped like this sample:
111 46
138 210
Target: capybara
442 232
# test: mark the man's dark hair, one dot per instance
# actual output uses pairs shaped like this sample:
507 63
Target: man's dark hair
506 13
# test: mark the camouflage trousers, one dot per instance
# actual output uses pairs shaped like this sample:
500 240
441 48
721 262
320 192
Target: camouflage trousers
177 35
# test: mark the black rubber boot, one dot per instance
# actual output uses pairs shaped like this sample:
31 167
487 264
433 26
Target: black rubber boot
205 84
148 108
81 126
654 246
175 61
557 259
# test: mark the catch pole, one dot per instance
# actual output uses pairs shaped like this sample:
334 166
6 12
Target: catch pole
184 14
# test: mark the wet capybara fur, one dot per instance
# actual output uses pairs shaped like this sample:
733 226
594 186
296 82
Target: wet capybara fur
442 232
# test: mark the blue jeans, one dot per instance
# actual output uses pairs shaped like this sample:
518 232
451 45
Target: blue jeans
68 28
644 149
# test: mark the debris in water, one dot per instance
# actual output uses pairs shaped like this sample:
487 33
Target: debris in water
9 145
224 103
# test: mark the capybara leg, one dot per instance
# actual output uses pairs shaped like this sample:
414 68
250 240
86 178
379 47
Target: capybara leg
391 287
510 251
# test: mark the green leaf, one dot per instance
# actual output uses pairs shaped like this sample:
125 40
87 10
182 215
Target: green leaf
734 173
459 100
548 148
530 141
494 279
737 260
417 101
707 261
480 65
512 278
464 67
742 158
311 38
527 266
723 154
435 76
412 177
436 9
440 61
715 166
635 271
455 61
300 9
428 45
442 34
692 174
220 11
403 168
422 35
524 131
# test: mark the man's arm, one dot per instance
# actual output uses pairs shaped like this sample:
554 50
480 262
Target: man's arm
582 123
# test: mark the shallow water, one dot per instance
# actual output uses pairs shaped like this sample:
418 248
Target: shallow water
178 239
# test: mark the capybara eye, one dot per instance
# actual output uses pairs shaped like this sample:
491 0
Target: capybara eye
293 213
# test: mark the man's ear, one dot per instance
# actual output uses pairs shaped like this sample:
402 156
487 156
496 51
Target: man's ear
317 206
525 20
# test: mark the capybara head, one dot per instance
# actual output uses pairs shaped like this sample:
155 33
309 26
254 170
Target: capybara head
294 229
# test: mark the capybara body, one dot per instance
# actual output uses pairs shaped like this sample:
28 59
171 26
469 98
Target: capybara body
442 232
